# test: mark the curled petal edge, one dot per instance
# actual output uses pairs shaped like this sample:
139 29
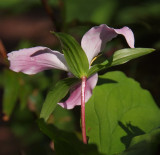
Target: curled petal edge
94 41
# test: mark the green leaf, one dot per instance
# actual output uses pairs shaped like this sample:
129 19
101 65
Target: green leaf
97 67
120 57
147 144
11 91
66 142
124 55
74 55
58 92
119 110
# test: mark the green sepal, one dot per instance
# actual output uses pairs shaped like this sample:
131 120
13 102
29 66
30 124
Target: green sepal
76 58
124 55
120 57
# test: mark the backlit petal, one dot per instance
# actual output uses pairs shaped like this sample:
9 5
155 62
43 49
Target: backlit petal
95 39
128 34
75 96
36 59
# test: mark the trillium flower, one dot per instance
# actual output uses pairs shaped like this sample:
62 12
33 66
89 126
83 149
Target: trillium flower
36 59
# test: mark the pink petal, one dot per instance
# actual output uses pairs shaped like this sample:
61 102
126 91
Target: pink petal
128 34
75 96
36 59
93 42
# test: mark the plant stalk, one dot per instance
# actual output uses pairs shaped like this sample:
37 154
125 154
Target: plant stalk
83 89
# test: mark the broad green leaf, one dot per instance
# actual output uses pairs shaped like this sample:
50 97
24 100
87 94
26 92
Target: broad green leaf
66 142
119 110
58 92
74 55
147 144
124 55
11 83
120 57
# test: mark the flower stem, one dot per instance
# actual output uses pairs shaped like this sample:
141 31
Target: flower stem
83 87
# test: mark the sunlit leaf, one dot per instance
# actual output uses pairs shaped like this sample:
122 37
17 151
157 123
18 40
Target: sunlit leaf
120 57
124 55
119 110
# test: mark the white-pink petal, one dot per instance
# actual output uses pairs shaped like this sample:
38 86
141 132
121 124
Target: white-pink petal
93 42
128 34
75 96
36 59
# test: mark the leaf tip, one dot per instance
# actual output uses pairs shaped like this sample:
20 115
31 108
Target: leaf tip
152 49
